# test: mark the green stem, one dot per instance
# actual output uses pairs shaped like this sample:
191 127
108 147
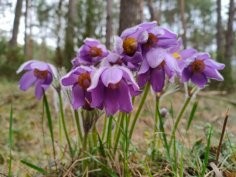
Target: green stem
161 127
146 90
186 103
49 118
104 128
118 130
109 131
64 125
156 122
78 125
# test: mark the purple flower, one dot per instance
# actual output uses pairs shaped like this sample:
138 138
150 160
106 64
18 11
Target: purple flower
180 56
156 65
37 73
199 67
112 88
91 53
128 45
79 78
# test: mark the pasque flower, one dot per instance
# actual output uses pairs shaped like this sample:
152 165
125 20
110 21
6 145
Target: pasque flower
37 73
199 68
79 79
112 88
156 65
128 45
90 53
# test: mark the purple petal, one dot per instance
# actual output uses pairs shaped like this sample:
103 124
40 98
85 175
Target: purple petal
199 79
46 83
124 98
95 77
39 91
172 63
25 66
143 79
69 79
157 79
155 57
128 76
144 67
214 64
213 74
111 101
188 53
78 97
111 75
27 80
129 31
91 42
118 45
186 74
42 66
98 95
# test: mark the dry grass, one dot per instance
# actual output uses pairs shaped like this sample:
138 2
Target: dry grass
28 132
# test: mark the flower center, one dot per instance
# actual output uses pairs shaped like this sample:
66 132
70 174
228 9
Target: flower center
40 74
152 40
176 55
130 46
95 52
197 66
84 80
114 86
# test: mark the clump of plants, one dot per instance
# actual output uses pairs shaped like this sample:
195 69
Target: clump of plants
105 85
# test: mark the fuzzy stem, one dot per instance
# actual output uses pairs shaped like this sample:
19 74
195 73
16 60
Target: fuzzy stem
109 131
146 90
186 103
64 125
118 131
77 120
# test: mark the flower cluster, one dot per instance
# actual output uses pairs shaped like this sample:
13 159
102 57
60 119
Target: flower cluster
103 79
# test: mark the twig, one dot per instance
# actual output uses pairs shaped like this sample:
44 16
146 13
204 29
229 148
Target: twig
222 135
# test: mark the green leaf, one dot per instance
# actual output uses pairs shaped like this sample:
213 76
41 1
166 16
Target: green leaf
38 169
49 118
193 111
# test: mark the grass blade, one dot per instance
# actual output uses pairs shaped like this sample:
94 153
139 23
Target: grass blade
10 142
193 111
36 168
49 118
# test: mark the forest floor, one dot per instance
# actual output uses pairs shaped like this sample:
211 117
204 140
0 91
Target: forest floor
30 145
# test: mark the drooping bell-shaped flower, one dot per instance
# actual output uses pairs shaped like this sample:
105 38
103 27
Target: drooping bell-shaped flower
112 88
199 68
157 64
79 79
129 44
90 53
37 73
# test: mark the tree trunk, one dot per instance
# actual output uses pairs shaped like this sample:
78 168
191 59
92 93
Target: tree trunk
26 28
109 24
58 52
16 23
219 34
131 13
70 34
153 12
229 44
183 21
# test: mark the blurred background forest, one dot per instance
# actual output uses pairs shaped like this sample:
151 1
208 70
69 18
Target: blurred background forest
53 30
